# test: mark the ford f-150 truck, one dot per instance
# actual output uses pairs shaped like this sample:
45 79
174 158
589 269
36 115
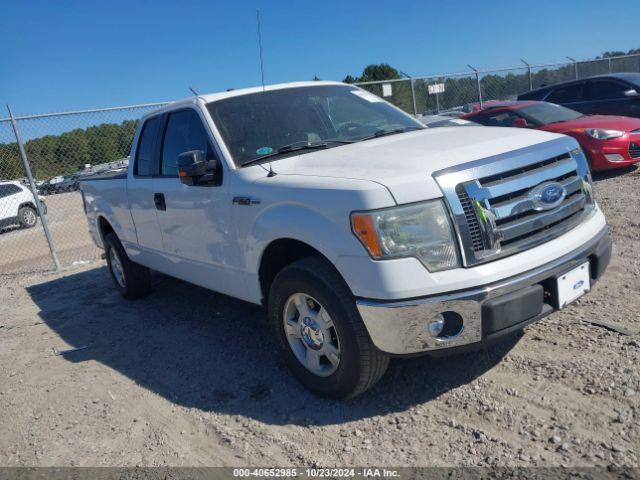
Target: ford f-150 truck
365 234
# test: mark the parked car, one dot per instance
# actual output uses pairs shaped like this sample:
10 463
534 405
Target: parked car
612 94
60 184
434 121
608 141
17 205
365 234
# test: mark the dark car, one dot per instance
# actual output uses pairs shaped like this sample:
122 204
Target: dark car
613 94
68 183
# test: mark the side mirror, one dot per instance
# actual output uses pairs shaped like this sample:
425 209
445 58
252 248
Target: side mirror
632 92
520 123
193 169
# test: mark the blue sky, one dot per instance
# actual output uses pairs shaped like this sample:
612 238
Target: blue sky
60 55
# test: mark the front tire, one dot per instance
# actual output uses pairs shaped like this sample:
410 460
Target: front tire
320 333
131 279
28 217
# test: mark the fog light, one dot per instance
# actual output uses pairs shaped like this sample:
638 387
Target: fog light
436 326
614 157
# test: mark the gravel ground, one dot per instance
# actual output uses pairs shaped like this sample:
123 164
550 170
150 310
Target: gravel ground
188 377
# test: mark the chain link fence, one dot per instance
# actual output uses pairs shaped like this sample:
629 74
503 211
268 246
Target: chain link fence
60 149
463 92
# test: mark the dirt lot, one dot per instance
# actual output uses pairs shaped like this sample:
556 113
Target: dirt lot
188 377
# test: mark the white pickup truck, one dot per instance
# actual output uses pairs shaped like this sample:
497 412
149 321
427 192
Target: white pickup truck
364 234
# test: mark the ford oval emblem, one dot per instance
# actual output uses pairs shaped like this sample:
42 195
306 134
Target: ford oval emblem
547 196
578 284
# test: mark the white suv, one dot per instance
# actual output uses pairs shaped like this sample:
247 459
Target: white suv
17 205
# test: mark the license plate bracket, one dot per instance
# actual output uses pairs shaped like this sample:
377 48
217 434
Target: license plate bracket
572 284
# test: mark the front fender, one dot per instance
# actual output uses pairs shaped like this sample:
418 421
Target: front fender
297 222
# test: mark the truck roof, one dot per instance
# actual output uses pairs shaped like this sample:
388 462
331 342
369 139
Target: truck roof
211 97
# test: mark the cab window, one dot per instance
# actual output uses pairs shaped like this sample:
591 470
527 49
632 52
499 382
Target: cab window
184 132
146 164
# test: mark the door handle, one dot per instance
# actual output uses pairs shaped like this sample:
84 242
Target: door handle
158 199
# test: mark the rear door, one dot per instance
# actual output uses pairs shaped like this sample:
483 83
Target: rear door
607 97
141 186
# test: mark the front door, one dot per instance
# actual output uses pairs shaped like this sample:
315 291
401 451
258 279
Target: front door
199 237
608 97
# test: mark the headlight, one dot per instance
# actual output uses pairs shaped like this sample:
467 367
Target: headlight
603 133
421 230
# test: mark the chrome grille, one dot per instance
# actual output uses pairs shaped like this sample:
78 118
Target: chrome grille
494 205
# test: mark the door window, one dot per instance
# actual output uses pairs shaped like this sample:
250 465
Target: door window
185 132
9 189
604 90
146 164
501 118
568 94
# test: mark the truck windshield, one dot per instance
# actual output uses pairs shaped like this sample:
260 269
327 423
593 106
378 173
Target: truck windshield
267 124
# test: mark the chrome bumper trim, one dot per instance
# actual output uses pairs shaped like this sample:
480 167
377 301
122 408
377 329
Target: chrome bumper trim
400 327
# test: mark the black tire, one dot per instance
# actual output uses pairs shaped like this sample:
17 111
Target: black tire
137 278
361 364
27 216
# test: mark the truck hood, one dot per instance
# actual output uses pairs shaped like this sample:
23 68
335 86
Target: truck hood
404 163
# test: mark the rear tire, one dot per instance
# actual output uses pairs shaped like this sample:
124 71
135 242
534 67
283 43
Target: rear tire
131 279
28 217
355 364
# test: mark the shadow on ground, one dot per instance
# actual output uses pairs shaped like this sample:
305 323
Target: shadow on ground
204 350
618 172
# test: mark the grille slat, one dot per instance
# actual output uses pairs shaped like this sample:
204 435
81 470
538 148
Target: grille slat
634 150
531 224
523 203
498 188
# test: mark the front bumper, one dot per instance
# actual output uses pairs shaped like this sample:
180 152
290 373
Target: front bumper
487 311
613 154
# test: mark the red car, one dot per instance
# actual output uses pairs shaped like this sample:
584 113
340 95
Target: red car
608 141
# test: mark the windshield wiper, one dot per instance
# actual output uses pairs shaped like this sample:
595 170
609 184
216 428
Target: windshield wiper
294 147
383 132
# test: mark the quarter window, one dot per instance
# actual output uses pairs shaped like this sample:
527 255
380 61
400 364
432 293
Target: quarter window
146 164
185 132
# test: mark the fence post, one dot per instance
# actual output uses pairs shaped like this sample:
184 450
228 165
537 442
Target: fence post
413 97
529 72
413 94
34 190
478 82
575 66
609 61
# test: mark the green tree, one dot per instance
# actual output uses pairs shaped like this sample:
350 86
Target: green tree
374 73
